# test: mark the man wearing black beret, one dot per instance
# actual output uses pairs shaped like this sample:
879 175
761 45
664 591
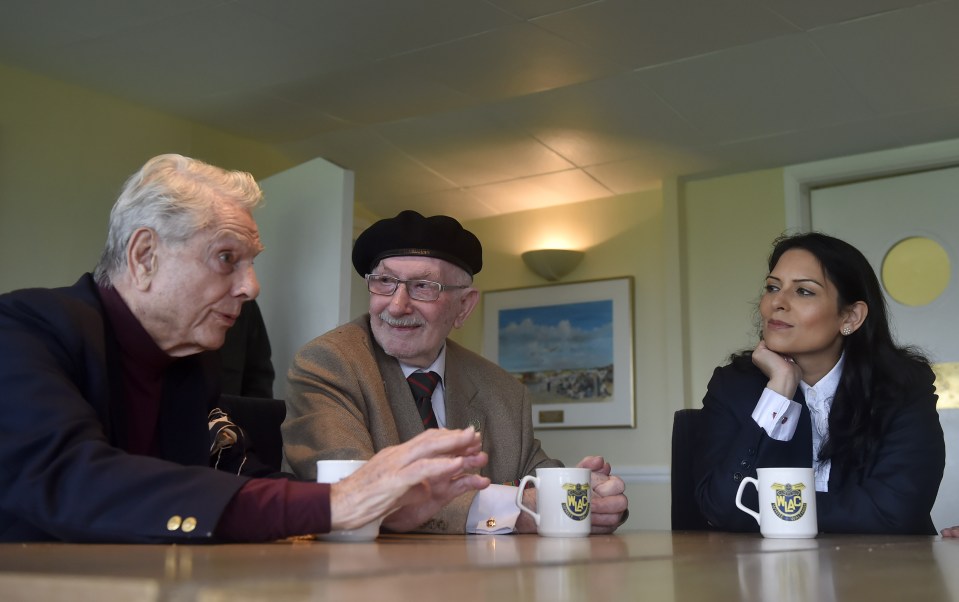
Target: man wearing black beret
108 389
389 375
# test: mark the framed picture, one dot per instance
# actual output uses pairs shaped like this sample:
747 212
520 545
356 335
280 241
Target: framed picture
571 345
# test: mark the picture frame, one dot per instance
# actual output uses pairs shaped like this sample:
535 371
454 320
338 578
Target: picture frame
571 345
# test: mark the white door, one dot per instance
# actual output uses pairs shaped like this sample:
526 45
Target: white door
875 216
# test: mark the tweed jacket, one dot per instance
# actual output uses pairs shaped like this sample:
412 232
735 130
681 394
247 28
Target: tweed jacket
893 494
63 474
348 399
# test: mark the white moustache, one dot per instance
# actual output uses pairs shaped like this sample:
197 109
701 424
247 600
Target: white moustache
400 322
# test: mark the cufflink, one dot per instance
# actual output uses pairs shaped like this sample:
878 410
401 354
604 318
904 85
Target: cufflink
173 523
490 523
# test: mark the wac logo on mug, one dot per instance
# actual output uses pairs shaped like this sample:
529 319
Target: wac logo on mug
789 504
577 501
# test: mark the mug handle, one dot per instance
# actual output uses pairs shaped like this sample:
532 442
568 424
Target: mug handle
519 496
739 497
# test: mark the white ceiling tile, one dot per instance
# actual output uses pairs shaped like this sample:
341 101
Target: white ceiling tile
60 23
381 169
376 93
507 62
95 65
647 170
808 15
600 121
640 33
903 61
528 9
810 144
940 123
378 29
260 116
456 203
487 107
761 89
536 192
143 63
493 153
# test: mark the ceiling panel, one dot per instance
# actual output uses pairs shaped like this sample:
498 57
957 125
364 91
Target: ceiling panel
458 202
809 15
480 108
375 93
645 171
382 170
379 29
903 61
601 121
470 148
261 116
536 192
640 33
766 88
941 123
809 145
32 23
508 62
528 9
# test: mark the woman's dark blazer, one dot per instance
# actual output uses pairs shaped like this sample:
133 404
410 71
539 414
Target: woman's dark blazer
893 494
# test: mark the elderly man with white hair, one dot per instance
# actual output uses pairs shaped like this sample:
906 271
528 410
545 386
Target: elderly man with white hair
106 387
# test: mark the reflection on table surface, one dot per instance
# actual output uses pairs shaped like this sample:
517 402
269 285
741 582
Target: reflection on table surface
627 566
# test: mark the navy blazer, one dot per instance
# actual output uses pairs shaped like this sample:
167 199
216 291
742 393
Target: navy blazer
893 494
63 475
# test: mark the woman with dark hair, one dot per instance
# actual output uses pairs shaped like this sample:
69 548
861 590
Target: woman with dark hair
826 387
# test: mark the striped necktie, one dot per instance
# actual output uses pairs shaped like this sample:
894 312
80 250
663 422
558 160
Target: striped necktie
422 385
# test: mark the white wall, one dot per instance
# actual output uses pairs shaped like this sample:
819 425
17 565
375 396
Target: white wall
306 224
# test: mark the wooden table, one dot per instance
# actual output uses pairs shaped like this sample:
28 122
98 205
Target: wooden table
658 566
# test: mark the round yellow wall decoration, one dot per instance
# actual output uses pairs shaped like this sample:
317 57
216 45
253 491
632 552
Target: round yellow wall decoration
916 271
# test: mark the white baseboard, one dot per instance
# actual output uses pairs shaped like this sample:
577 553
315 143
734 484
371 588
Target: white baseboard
642 474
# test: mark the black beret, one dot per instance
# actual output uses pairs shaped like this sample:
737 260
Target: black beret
409 233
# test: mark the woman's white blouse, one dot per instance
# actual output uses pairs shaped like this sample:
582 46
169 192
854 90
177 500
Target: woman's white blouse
779 416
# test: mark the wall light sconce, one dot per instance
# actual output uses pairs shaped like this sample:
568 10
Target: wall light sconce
552 264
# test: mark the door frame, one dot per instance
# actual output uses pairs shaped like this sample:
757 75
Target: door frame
799 180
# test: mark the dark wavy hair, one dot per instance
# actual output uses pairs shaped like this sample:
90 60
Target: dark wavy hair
877 372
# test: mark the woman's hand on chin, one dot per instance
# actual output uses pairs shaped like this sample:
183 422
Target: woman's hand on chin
784 374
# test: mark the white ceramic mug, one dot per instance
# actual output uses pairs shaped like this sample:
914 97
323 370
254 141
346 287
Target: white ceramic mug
332 471
787 502
563 496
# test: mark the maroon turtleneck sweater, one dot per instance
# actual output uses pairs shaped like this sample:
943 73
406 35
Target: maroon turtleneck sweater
261 510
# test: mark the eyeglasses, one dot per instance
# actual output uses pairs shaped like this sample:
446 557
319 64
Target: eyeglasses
421 290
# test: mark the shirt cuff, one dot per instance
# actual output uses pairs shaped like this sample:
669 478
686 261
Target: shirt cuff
777 415
493 511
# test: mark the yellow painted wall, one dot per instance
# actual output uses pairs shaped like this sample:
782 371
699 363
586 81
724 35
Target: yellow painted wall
65 152
729 224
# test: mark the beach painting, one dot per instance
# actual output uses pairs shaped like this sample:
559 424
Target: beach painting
570 345
562 353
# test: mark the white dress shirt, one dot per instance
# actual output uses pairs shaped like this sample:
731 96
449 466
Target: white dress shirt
493 511
779 416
